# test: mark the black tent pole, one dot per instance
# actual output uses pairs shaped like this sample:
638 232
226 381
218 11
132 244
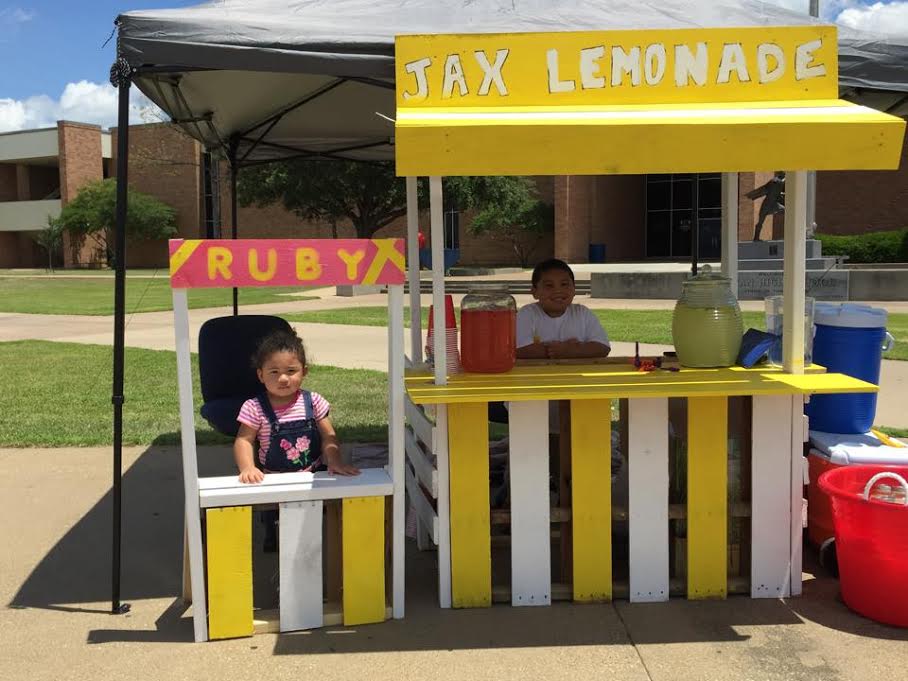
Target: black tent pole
122 82
231 154
695 225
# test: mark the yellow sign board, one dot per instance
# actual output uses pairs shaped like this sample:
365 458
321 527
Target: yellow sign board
617 67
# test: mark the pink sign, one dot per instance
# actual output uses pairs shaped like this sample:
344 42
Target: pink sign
229 263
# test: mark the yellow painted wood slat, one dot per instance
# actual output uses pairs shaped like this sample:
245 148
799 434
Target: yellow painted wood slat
591 487
363 521
610 381
229 549
471 552
685 141
707 497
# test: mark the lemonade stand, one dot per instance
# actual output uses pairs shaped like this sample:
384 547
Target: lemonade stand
623 102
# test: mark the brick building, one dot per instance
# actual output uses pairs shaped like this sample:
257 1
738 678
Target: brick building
40 171
636 217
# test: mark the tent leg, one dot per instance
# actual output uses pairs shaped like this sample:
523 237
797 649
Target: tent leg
730 229
123 86
795 275
413 273
231 155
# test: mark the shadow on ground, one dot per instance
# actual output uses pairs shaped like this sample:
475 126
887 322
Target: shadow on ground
152 549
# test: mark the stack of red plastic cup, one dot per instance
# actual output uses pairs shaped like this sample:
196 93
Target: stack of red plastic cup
452 354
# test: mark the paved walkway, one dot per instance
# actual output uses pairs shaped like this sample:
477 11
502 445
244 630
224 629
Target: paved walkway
365 347
55 582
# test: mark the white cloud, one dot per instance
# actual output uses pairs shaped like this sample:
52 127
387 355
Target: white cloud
16 15
880 17
83 102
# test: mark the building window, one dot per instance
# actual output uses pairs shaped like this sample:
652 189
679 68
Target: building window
452 228
673 202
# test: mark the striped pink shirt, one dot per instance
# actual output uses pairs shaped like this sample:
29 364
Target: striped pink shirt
251 414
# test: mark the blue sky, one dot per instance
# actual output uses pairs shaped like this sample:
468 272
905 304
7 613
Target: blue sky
54 65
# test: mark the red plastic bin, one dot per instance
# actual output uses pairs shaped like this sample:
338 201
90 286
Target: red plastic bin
871 543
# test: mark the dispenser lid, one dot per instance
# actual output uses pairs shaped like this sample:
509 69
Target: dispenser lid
850 315
706 275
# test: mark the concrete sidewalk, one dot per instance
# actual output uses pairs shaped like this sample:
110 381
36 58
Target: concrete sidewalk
55 580
363 347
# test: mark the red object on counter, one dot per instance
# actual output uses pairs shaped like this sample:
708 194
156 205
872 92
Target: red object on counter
488 340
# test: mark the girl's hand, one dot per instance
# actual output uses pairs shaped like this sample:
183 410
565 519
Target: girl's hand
251 475
341 468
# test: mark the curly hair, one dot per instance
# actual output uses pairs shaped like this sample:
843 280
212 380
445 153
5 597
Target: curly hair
279 341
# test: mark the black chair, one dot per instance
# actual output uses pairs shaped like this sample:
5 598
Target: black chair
497 412
226 346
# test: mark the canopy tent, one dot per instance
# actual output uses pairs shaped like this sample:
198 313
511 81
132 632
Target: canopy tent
309 78
256 81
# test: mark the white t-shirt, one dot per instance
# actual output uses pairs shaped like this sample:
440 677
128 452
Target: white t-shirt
577 322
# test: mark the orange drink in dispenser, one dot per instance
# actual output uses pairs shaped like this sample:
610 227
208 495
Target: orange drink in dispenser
488 330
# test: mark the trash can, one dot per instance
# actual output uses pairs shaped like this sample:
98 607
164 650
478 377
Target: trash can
849 339
597 253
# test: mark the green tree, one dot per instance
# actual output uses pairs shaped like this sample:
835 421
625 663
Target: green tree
367 194
370 196
50 239
93 215
505 208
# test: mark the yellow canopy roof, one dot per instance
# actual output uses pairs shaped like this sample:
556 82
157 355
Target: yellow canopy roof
628 102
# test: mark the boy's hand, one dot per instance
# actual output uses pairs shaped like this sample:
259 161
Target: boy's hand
251 475
563 349
341 468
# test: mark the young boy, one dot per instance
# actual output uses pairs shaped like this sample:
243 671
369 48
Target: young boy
555 327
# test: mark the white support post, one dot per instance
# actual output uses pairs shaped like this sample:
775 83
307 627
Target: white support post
190 464
396 442
444 507
730 228
436 210
795 276
799 434
413 270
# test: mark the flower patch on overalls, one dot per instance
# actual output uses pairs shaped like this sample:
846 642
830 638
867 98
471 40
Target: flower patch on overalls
292 445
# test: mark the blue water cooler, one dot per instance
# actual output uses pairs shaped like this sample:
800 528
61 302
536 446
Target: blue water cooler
850 339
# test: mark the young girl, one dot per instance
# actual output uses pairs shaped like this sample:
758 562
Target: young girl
290 426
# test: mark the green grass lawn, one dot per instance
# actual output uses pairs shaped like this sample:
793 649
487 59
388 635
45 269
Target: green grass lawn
95 296
58 394
646 326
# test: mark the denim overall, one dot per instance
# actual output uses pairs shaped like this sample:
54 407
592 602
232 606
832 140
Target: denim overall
293 445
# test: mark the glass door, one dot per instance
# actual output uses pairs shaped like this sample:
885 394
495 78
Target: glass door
673 203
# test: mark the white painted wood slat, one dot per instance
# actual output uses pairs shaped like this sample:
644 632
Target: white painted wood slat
281 487
422 507
301 586
531 570
423 428
423 468
648 499
770 497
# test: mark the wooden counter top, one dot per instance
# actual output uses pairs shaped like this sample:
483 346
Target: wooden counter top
620 379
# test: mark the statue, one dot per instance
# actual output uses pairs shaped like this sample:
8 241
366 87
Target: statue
773 201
